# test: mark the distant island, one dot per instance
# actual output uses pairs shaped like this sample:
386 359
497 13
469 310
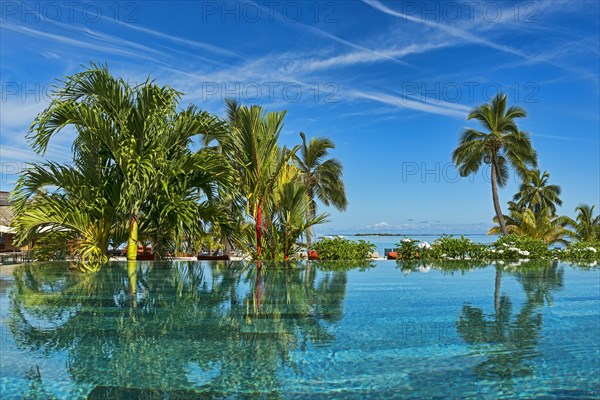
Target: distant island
418 234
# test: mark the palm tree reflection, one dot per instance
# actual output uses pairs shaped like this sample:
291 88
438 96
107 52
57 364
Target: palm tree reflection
222 328
509 341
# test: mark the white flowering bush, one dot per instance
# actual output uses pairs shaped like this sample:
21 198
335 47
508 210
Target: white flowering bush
453 248
582 250
509 248
513 247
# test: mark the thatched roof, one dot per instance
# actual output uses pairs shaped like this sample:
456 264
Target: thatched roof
6 213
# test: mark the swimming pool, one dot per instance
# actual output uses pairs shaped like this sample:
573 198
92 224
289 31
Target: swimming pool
184 330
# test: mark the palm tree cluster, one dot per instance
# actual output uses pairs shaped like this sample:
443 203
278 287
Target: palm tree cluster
533 210
145 170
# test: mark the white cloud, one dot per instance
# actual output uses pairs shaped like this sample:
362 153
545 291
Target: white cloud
439 107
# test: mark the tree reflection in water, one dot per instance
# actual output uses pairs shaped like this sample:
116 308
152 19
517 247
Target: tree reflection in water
513 338
162 328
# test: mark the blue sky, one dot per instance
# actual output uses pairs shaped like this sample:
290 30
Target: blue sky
390 82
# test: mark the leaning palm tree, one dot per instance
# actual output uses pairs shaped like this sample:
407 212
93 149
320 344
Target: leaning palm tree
586 226
536 194
322 177
502 144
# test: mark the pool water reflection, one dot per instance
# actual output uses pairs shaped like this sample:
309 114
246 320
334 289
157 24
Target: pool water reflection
231 330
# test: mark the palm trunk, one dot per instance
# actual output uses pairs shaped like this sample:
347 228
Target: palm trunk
132 242
307 273
496 201
132 275
157 247
227 247
259 291
497 288
308 233
258 229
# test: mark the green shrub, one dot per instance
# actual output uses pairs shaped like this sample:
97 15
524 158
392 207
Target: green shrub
407 249
510 247
578 251
513 247
449 247
339 248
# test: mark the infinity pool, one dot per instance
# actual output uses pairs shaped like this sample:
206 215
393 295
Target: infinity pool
187 330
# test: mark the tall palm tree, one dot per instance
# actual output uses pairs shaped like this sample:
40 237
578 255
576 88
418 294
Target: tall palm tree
259 159
502 144
223 142
585 225
321 175
536 194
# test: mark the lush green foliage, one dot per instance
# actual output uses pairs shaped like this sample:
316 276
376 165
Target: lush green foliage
321 175
514 247
275 188
536 194
133 170
586 226
339 248
445 247
137 177
449 247
508 247
583 250
407 249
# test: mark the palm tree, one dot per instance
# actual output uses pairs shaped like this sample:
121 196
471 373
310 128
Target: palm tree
259 159
186 205
70 206
502 144
230 200
290 219
545 226
536 194
141 136
586 226
123 120
321 175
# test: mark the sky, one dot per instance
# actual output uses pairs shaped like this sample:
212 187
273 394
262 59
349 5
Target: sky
390 82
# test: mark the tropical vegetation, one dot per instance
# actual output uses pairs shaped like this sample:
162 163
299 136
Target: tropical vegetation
146 170
506 247
502 144
339 248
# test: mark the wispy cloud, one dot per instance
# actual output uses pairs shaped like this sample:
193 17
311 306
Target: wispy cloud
365 57
439 108
65 40
456 32
477 38
322 33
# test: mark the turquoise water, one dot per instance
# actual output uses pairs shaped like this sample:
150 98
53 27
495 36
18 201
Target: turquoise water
218 330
